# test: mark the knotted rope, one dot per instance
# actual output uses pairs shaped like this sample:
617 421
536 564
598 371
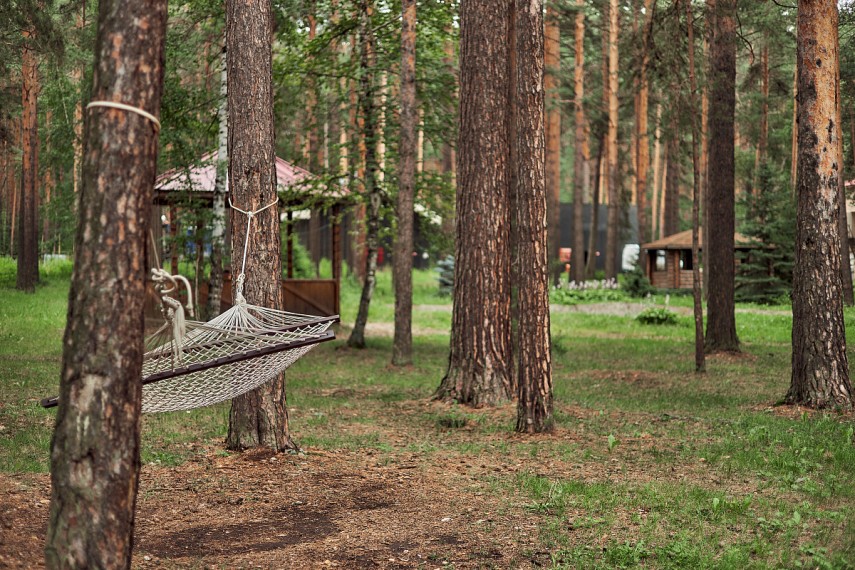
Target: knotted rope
239 298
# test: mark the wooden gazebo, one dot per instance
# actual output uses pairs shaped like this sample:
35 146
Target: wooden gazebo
668 261
194 187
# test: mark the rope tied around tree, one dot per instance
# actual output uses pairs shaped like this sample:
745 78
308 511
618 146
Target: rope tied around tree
129 108
241 278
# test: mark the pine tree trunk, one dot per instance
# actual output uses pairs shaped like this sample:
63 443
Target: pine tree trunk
28 224
845 263
577 259
642 136
718 252
613 226
368 109
672 181
402 347
820 367
700 364
76 79
259 417
218 224
657 173
534 411
479 364
552 64
593 234
705 224
763 138
95 452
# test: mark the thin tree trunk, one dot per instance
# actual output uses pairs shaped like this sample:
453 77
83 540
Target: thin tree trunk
666 167
28 224
479 364
77 144
259 417
577 260
373 191
552 64
534 411
794 145
700 364
591 264
402 347
657 172
705 224
613 226
845 264
719 253
642 136
673 174
820 366
95 452
763 138
218 224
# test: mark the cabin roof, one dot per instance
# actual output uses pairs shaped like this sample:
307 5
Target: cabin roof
683 240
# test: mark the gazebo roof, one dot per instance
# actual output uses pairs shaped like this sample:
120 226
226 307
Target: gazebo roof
683 240
198 181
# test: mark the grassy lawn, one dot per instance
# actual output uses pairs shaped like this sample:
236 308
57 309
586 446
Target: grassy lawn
651 465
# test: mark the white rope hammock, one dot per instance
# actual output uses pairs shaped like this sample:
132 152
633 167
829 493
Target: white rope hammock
189 364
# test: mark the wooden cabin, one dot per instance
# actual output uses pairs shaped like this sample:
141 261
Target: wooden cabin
668 261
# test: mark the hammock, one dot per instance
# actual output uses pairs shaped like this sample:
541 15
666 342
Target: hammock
189 364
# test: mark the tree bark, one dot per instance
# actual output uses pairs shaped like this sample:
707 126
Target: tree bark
657 173
28 212
402 347
218 224
763 137
673 174
719 254
368 109
552 64
593 234
820 367
613 226
643 139
479 363
700 364
845 264
259 417
96 444
534 411
577 260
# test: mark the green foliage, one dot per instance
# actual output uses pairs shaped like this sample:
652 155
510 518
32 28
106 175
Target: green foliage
656 316
635 283
595 291
765 273
445 269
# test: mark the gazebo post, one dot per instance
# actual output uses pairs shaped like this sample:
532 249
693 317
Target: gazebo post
289 228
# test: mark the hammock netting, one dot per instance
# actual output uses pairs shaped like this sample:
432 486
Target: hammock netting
234 353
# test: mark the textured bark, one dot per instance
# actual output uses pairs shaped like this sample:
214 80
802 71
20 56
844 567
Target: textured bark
534 411
577 261
479 364
642 159
368 111
259 417
705 115
820 375
718 251
552 64
218 224
700 364
76 75
613 226
402 347
28 212
794 145
96 444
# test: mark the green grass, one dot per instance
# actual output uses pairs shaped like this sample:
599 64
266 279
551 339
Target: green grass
653 466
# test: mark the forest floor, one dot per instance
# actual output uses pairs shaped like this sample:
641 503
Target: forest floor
650 465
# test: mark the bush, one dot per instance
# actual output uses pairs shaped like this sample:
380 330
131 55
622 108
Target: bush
635 283
656 316
595 291
445 268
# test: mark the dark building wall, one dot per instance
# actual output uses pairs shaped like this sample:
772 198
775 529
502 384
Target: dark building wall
628 235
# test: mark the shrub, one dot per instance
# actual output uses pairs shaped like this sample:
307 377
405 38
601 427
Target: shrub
594 291
635 283
445 268
656 316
